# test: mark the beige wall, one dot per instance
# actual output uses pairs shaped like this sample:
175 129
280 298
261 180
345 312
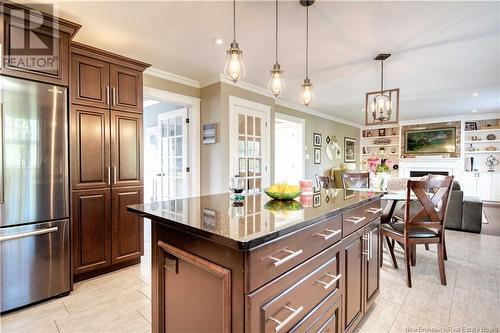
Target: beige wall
325 127
162 84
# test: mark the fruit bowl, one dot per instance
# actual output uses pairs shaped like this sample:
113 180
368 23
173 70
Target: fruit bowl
282 195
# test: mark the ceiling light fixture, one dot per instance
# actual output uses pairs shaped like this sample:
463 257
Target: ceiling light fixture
475 94
474 111
306 91
218 41
381 107
277 81
235 68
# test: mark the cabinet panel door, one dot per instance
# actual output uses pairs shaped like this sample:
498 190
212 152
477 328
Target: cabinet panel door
469 183
128 228
91 240
90 147
353 292
42 57
372 271
495 184
126 89
484 186
126 148
89 81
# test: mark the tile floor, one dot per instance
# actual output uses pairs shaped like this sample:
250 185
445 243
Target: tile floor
120 301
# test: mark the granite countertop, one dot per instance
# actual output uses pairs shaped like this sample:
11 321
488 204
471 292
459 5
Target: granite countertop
255 222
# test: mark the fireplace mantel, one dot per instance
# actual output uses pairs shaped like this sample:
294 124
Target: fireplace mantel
454 166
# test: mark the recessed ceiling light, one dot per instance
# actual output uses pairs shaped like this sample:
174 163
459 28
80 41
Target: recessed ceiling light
474 111
218 41
475 94
150 102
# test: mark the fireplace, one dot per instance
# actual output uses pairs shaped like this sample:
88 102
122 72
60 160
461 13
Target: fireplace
414 173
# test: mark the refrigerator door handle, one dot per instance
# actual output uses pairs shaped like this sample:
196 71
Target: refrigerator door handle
28 234
1 154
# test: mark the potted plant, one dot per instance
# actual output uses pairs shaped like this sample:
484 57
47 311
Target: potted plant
380 169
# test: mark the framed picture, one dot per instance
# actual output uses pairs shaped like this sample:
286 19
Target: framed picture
317 155
349 150
317 200
436 140
470 126
381 132
209 133
317 139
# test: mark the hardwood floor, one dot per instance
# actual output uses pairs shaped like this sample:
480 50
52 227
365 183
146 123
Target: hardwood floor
120 301
492 212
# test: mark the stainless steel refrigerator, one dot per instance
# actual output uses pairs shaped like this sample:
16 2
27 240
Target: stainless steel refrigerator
34 192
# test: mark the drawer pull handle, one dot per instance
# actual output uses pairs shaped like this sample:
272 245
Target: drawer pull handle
374 210
283 323
279 262
330 235
356 219
329 284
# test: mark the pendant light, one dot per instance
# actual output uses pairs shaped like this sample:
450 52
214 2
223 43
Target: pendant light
381 106
277 81
306 91
235 68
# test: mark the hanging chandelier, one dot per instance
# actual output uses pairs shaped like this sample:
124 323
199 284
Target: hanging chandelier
277 81
381 106
306 91
235 68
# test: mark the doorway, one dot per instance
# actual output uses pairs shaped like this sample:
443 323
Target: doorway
289 162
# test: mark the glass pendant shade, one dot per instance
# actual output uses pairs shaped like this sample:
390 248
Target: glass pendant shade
277 81
235 68
306 92
381 107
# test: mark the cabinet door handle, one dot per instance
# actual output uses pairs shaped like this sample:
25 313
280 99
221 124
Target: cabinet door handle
356 219
330 235
369 246
292 254
114 96
283 323
374 210
327 285
109 175
107 95
114 175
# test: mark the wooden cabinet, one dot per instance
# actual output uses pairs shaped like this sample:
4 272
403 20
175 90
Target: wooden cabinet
106 157
128 229
362 273
91 230
484 185
126 148
90 147
126 89
38 52
325 318
89 81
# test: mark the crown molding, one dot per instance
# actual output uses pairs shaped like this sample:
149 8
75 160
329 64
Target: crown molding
444 119
278 101
172 77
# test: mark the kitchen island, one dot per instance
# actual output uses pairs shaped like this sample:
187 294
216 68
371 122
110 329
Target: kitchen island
264 265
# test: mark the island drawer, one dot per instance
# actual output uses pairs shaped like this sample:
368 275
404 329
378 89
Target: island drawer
282 303
324 318
273 259
358 217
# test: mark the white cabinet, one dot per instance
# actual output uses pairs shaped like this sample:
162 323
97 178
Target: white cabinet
485 185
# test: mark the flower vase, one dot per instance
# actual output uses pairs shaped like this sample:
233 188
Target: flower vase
380 181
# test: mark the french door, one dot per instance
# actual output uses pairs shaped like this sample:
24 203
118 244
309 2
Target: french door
249 146
174 180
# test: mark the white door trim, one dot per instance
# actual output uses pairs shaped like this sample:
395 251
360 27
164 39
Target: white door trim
236 101
193 106
302 123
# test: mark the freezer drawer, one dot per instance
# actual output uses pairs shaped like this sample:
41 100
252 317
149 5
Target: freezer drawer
35 263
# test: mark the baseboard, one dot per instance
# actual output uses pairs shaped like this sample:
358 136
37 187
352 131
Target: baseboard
105 270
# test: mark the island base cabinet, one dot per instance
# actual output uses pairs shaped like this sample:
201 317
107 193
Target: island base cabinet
362 274
325 318
193 294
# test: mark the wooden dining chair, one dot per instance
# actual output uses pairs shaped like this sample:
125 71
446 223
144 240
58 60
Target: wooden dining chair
323 181
423 227
356 180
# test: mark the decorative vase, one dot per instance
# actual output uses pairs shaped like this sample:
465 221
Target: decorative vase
380 181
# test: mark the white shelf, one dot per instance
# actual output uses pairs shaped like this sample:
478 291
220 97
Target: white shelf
381 146
482 141
482 152
483 130
379 137
375 155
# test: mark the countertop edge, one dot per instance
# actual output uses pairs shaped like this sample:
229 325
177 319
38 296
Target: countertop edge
251 244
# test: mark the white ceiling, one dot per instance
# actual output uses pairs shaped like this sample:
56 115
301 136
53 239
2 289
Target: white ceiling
442 52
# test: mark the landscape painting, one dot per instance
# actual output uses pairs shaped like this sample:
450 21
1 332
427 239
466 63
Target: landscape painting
436 140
